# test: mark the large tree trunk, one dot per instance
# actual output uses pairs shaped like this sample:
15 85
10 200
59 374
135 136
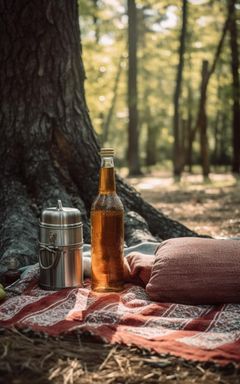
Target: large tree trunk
235 85
133 132
48 149
178 156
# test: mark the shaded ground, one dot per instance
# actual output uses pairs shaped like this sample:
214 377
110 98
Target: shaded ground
212 208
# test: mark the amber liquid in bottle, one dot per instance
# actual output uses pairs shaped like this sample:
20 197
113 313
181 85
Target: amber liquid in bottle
107 232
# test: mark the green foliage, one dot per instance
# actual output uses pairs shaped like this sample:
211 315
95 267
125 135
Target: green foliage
104 39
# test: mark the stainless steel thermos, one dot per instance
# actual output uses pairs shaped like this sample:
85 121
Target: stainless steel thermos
61 243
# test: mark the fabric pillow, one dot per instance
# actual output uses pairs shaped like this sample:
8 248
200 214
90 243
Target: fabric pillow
140 266
196 271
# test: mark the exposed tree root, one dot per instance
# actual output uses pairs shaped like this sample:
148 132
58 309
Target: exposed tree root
45 184
19 224
136 229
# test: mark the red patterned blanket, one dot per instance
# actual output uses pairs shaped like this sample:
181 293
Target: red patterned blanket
202 332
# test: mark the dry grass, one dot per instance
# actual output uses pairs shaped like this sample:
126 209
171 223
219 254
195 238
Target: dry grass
211 208
25 358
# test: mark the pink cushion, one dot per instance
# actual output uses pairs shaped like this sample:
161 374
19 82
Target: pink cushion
140 266
196 271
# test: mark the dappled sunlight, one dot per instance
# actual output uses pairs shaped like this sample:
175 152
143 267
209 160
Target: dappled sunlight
188 181
150 183
211 208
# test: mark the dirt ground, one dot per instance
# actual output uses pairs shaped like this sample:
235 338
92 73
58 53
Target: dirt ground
210 208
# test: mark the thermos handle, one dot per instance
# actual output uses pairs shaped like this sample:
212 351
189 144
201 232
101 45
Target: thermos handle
56 255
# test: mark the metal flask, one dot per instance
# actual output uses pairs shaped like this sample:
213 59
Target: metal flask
61 243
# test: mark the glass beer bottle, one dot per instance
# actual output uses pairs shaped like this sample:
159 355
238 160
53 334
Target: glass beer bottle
107 230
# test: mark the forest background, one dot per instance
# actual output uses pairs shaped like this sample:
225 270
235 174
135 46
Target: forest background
163 81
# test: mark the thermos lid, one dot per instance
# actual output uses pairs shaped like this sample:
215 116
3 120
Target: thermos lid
60 216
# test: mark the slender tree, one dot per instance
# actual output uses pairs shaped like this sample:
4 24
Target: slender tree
189 127
235 85
201 123
178 155
222 141
96 20
217 118
133 132
109 117
146 116
151 141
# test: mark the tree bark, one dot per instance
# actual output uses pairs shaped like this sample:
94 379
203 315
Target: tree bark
133 132
235 86
48 148
178 161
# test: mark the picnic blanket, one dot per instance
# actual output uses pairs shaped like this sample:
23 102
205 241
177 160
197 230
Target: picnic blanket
203 332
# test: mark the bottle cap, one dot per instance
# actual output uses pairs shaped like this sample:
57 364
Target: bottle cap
106 152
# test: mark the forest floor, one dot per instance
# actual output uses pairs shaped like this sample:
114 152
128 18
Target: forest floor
211 208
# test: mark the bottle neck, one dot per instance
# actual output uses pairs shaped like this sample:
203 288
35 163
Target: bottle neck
107 176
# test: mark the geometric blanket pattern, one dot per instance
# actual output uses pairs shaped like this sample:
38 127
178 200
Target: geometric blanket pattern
202 332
